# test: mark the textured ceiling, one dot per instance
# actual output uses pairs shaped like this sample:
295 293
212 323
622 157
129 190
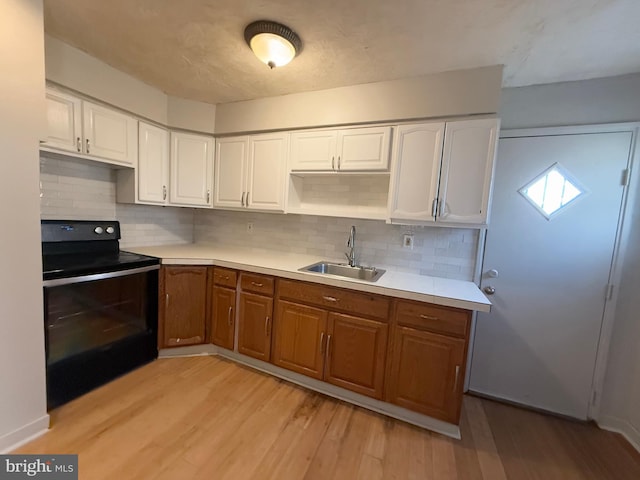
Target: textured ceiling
195 48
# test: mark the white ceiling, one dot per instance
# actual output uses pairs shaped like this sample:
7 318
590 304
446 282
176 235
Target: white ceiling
195 48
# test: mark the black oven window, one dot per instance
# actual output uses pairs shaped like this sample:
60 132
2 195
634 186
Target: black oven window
85 316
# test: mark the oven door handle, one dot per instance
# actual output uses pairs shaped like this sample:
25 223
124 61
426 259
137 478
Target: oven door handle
98 276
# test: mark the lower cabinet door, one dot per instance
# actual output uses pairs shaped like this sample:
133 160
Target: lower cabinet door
254 326
300 338
183 303
426 374
356 353
223 317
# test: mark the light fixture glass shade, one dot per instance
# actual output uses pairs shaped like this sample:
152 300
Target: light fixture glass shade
273 43
272 49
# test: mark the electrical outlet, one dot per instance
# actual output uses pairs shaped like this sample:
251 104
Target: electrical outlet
250 227
407 241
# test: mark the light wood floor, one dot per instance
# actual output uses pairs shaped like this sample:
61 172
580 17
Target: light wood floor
206 418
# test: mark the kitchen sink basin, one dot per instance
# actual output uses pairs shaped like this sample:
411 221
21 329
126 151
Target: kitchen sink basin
369 274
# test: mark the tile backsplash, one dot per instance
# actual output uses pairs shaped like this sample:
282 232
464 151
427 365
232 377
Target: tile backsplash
441 252
83 190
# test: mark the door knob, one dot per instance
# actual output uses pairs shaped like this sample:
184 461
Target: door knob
489 290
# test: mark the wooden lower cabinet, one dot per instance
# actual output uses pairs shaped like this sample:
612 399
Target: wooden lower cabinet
223 317
426 373
182 306
254 325
356 353
300 338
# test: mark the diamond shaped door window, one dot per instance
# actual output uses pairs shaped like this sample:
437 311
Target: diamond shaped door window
552 191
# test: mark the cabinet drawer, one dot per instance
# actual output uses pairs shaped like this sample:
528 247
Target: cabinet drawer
225 277
447 320
335 298
253 282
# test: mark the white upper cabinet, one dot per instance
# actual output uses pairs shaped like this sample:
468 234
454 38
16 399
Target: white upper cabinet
363 149
313 150
191 170
417 154
467 171
109 134
90 130
354 149
251 171
443 172
153 164
64 122
231 171
267 171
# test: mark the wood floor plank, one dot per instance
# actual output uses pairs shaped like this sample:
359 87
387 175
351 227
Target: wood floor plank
206 417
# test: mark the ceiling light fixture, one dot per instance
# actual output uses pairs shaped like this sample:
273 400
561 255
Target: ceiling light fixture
273 43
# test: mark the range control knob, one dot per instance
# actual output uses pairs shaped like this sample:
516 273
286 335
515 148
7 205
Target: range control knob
98 230
110 230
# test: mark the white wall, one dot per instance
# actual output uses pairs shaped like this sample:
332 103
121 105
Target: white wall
74 69
605 100
22 363
461 92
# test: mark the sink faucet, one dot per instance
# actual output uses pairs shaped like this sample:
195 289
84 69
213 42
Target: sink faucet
351 243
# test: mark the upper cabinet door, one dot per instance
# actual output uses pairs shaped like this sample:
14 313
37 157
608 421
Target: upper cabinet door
363 149
467 171
231 171
313 150
64 122
191 169
153 164
417 152
110 134
267 170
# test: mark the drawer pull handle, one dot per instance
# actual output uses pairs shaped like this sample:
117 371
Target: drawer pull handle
330 299
429 317
230 316
224 277
256 284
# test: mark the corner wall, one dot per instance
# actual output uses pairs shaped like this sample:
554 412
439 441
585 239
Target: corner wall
22 362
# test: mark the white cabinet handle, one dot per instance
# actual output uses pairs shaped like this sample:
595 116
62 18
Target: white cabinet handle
247 202
242 200
338 162
79 144
164 192
88 150
434 207
208 195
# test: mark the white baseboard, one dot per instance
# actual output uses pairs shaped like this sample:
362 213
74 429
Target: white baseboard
188 351
24 434
623 427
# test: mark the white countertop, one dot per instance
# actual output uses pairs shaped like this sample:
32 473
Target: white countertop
440 291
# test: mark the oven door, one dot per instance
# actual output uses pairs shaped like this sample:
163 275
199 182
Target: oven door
98 327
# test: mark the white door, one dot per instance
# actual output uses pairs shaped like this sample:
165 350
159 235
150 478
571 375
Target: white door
467 170
153 164
363 149
267 171
191 169
556 205
231 171
417 152
109 134
64 122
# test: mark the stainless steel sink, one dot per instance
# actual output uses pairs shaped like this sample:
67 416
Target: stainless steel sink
369 274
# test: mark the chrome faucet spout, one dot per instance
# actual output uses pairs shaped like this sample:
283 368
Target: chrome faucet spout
351 243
